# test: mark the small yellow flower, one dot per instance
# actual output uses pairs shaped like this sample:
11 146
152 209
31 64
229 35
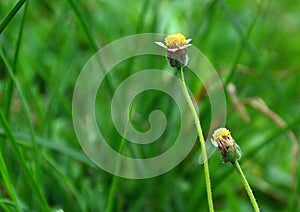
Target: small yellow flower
221 134
228 148
175 42
176 46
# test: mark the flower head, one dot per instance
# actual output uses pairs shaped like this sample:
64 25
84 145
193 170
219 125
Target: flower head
228 148
176 46
176 41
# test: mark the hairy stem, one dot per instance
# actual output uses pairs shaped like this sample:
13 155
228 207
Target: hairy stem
201 138
238 169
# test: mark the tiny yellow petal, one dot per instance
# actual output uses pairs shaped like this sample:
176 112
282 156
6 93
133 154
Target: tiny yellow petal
175 40
221 133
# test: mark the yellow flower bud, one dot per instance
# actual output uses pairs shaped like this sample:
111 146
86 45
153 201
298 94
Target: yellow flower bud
176 46
228 148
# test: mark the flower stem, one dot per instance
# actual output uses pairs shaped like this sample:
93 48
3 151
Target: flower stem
201 138
115 180
238 169
113 188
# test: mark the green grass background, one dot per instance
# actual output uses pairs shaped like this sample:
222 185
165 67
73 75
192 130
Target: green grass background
254 45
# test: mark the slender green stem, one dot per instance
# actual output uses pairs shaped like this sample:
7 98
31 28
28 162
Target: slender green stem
91 39
11 14
113 188
9 91
201 138
6 179
84 25
36 168
238 169
36 190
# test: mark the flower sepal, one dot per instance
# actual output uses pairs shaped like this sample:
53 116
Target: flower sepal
228 148
176 46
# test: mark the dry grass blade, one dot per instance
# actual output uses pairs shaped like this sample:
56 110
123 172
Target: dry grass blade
260 105
237 103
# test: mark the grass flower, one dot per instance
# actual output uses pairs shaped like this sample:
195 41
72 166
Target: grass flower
231 152
176 46
228 148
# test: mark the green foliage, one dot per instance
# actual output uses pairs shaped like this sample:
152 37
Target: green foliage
44 45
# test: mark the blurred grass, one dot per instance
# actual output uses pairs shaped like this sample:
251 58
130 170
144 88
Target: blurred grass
252 44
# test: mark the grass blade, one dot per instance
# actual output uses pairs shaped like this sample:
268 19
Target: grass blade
20 157
7 182
11 14
27 113
8 94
